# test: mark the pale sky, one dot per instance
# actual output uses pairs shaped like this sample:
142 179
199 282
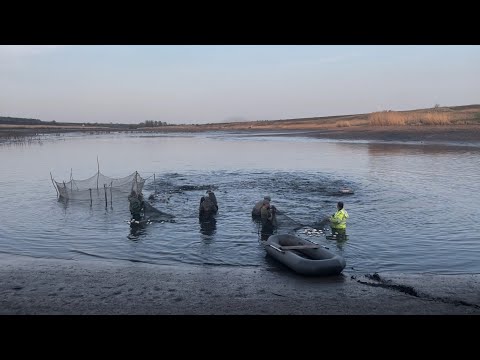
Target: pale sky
207 84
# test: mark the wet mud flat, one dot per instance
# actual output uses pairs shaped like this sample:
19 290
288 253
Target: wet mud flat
44 286
434 133
426 134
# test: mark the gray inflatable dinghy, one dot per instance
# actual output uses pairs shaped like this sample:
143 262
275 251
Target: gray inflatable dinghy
303 256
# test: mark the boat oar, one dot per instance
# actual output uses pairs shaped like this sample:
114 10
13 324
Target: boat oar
300 247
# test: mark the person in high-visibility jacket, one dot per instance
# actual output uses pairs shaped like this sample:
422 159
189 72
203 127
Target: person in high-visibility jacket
338 221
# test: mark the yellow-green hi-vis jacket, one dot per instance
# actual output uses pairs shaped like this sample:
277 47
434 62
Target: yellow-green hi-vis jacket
339 219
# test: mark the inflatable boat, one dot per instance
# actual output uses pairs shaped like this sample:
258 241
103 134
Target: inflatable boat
302 256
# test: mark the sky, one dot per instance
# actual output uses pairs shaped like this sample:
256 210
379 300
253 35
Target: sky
195 84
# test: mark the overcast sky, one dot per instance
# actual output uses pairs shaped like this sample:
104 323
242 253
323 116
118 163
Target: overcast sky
203 84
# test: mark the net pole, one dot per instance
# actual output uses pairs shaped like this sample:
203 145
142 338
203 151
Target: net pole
90 196
65 188
136 182
98 171
54 185
105 190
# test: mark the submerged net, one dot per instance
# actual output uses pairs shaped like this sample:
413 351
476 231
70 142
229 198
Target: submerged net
153 214
282 223
285 223
99 185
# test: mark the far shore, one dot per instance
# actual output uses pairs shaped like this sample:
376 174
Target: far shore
438 124
419 133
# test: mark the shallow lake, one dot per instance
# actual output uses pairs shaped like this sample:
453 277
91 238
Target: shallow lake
415 207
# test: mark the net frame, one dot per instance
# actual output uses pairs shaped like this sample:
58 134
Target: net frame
98 185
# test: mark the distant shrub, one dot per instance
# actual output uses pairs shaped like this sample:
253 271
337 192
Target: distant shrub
394 118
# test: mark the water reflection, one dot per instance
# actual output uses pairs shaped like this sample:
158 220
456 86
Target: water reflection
340 240
137 232
257 223
376 149
208 226
267 230
20 141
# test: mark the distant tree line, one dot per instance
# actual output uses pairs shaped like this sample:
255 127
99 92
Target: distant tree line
153 123
25 121
19 121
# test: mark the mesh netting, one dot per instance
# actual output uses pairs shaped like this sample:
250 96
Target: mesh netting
282 223
97 185
285 223
153 214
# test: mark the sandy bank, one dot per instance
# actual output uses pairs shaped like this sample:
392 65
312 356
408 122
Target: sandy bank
40 286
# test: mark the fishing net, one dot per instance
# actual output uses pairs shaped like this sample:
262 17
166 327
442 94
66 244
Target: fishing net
282 223
99 185
285 223
153 214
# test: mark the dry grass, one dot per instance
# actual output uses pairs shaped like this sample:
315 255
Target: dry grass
434 117
343 123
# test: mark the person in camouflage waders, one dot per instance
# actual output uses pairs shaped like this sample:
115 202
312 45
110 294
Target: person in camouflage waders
136 205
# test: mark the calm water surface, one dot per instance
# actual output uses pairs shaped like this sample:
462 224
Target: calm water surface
415 208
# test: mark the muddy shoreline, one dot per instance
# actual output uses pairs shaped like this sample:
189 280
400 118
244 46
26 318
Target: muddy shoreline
31 286
466 133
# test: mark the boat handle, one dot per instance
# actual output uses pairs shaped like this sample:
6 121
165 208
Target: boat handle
276 248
